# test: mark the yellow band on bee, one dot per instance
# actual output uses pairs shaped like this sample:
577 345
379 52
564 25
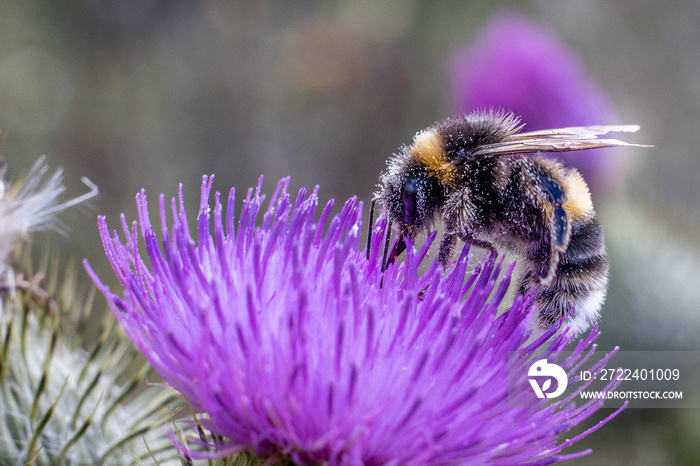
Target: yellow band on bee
578 198
428 150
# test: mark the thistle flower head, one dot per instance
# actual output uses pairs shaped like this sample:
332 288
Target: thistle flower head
275 325
64 404
521 65
65 399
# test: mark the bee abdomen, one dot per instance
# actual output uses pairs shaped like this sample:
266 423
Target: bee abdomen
579 286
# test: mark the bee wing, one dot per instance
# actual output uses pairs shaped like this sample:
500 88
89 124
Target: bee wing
557 140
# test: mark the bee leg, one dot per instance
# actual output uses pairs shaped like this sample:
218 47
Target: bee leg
558 231
457 220
554 245
447 247
560 234
479 243
544 260
548 269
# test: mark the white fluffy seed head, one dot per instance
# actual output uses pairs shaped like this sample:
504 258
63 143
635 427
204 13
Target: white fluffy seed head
31 205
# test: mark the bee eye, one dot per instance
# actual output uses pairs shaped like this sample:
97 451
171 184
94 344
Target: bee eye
409 195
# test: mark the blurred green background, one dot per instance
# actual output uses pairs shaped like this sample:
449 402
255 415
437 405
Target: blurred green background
151 93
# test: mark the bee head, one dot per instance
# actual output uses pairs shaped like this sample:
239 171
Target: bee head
412 199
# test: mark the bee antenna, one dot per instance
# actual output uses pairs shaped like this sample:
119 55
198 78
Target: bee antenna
371 226
388 241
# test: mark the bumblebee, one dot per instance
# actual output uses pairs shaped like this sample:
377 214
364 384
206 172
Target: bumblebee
485 180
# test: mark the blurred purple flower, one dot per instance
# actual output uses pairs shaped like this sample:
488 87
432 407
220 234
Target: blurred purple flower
283 336
521 65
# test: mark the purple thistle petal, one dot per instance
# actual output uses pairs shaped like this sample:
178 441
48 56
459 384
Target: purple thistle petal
284 337
521 65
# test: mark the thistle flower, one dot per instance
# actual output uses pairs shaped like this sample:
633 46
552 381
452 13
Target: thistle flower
281 334
58 403
521 65
62 405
